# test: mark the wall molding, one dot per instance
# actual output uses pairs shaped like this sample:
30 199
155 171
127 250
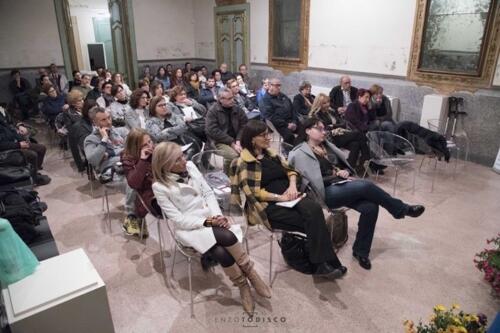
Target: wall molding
174 59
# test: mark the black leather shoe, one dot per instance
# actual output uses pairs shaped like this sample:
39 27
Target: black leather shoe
324 270
415 210
363 261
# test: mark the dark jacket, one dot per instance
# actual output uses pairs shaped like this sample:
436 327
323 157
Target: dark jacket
226 76
278 109
140 178
207 97
433 139
337 97
299 104
356 119
217 123
383 111
24 86
9 138
76 137
53 106
191 92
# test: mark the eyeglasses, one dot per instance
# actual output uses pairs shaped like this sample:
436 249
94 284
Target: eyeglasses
276 84
321 129
265 135
162 105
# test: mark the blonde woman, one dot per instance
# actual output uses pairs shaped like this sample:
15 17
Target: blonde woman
334 122
189 202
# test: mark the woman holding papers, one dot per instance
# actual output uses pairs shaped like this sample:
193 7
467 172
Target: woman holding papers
266 179
326 170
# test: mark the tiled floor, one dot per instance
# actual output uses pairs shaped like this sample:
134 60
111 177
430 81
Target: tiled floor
417 263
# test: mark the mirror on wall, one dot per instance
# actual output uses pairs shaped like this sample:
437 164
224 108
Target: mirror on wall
454 35
455 44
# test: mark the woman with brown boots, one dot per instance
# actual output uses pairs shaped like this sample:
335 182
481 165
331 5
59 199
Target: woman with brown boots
188 201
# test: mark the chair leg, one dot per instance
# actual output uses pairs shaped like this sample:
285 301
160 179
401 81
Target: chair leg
434 175
141 234
414 178
190 287
107 209
395 181
271 238
160 240
422 163
91 188
246 245
173 262
456 162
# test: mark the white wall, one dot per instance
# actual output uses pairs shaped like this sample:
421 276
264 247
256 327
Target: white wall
259 30
204 29
29 45
164 29
347 35
86 28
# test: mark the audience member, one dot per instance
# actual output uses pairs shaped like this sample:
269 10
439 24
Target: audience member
202 78
343 94
225 74
79 131
136 159
96 92
20 87
170 70
242 84
106 97
208 95
224 125
163 125
59 81
144 84
192 85
146 73
17 137
53 104
218 78
383 110
302 102
103 148
108 75
77 77
117 79
177 78
354 141
71 113
162 76
265 178
138 114
157 89
243 70
242 100
84 87
192 112
119 107
326 170
277 108
357 115
188 201
188 68
262 91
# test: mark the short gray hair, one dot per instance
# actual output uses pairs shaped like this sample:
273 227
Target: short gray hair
304 84
222 91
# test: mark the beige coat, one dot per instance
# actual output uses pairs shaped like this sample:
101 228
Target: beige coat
187 205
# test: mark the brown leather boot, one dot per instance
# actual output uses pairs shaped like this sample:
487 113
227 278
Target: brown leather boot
243 260
236 276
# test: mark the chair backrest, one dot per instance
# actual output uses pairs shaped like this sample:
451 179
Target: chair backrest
281 147
390 149
151 210
276 134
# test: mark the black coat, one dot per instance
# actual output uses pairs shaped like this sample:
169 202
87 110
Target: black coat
299 104
217 123
435 140
337 97
278 109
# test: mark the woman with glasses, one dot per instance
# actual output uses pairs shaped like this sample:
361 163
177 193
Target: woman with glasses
188 201
163 124
138 113
326 170
71 113
266 179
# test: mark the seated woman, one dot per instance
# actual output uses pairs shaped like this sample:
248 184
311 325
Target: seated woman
117 79
177 78
192 85
53 104
120 107
136 159
358 115
162 76
189 202
71 113
383 110
138 114
218 78
329 174
157 89
265 179
302 102
192 112
163 125
353 141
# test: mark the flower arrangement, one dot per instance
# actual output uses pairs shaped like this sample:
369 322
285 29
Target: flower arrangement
451 320
488 261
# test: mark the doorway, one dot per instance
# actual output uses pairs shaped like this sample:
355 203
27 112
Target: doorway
232 35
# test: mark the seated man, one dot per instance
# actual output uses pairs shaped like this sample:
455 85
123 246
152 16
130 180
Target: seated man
342 95
224 123
84 86
242 100
277 108
16 137
102 150
262 91
208 95
225 74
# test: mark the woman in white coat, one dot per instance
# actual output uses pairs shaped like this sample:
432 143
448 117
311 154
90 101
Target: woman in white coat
189 202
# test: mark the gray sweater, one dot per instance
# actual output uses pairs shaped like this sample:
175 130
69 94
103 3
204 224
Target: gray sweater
102 155
156 128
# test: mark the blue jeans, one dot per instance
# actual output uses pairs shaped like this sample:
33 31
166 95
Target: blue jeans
364 197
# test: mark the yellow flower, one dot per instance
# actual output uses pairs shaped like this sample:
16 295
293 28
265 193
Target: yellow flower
440 308
474 318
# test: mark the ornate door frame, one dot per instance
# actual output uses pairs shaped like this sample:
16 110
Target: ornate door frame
244 11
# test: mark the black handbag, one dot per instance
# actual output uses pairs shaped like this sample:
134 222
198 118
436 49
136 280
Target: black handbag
9 175
12 158
295 252
197 126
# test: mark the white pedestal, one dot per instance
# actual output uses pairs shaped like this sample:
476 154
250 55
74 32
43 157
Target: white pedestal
435 107
65 294
496 164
